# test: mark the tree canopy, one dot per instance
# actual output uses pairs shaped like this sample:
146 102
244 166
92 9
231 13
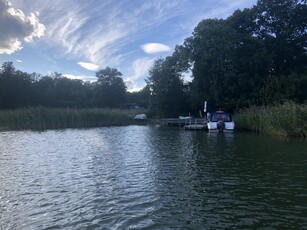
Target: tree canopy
110 89
20 89
256 56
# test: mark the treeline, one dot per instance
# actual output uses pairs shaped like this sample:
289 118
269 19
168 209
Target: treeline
20 89
256 56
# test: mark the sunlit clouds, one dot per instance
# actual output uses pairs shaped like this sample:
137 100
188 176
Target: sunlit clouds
16 28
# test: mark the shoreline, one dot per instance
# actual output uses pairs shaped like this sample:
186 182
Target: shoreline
288 120
43 118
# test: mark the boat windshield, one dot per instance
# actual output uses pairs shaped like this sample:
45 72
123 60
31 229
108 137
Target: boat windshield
220 117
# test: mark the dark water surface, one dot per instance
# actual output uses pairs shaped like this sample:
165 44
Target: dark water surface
140 177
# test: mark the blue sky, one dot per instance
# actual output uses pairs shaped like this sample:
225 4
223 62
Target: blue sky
77 38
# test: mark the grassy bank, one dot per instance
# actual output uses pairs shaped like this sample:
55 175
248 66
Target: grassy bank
41 118
287 120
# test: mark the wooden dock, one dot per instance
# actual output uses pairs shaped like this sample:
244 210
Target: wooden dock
189 123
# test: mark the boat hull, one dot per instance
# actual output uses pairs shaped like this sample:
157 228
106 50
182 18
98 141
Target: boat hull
228 127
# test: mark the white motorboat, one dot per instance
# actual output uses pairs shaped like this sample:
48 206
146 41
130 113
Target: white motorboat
220 121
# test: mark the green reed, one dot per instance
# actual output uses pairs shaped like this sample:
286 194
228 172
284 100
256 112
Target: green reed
42 118
286 120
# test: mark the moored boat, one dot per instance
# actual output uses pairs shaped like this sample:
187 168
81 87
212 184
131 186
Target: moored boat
220 121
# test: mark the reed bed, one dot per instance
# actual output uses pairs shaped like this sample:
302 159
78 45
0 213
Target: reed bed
286 120
42 118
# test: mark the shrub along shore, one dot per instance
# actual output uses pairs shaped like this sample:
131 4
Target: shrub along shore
42 118
286 120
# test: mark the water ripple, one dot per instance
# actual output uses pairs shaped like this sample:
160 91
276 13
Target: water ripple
141 177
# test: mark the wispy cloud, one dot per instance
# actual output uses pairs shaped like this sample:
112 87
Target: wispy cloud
16 28
103 32
140 71
152 48
84 29
140 68
117 34
88 66
18 60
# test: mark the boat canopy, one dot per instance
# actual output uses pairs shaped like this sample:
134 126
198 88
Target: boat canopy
220 116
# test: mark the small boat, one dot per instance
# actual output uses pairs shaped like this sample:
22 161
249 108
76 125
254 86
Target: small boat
220 121
141 117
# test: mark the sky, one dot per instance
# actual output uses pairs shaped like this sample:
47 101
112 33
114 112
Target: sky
77 38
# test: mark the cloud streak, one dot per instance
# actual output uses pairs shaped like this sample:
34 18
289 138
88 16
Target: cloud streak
103 32
16 28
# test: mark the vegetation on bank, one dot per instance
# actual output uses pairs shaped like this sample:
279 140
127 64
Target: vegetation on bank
286 120
256 56
42 118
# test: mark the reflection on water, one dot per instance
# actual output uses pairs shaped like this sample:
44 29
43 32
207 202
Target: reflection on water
140 177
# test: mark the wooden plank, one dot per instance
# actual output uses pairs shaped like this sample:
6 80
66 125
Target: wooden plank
181 122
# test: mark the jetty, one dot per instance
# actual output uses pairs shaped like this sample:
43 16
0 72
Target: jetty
188 124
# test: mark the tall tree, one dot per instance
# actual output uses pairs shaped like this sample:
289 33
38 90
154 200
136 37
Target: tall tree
110 89
252 61
168 97
214 47
282 25
15 87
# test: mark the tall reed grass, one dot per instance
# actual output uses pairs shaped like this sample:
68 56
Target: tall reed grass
42 118
286 120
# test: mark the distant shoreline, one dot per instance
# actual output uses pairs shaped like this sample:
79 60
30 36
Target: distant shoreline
43 118
287 121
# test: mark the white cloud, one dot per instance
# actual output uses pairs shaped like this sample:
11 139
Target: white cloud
140 68
81 77
16 27
88 66
19 61
133 87
152 48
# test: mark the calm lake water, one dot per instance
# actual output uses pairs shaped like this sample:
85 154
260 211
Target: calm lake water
140 177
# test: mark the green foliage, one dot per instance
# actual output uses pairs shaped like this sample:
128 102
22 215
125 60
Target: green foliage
286 120
214 48
141 97
19 89
110 89
168 97
15 87
281 25
255 57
